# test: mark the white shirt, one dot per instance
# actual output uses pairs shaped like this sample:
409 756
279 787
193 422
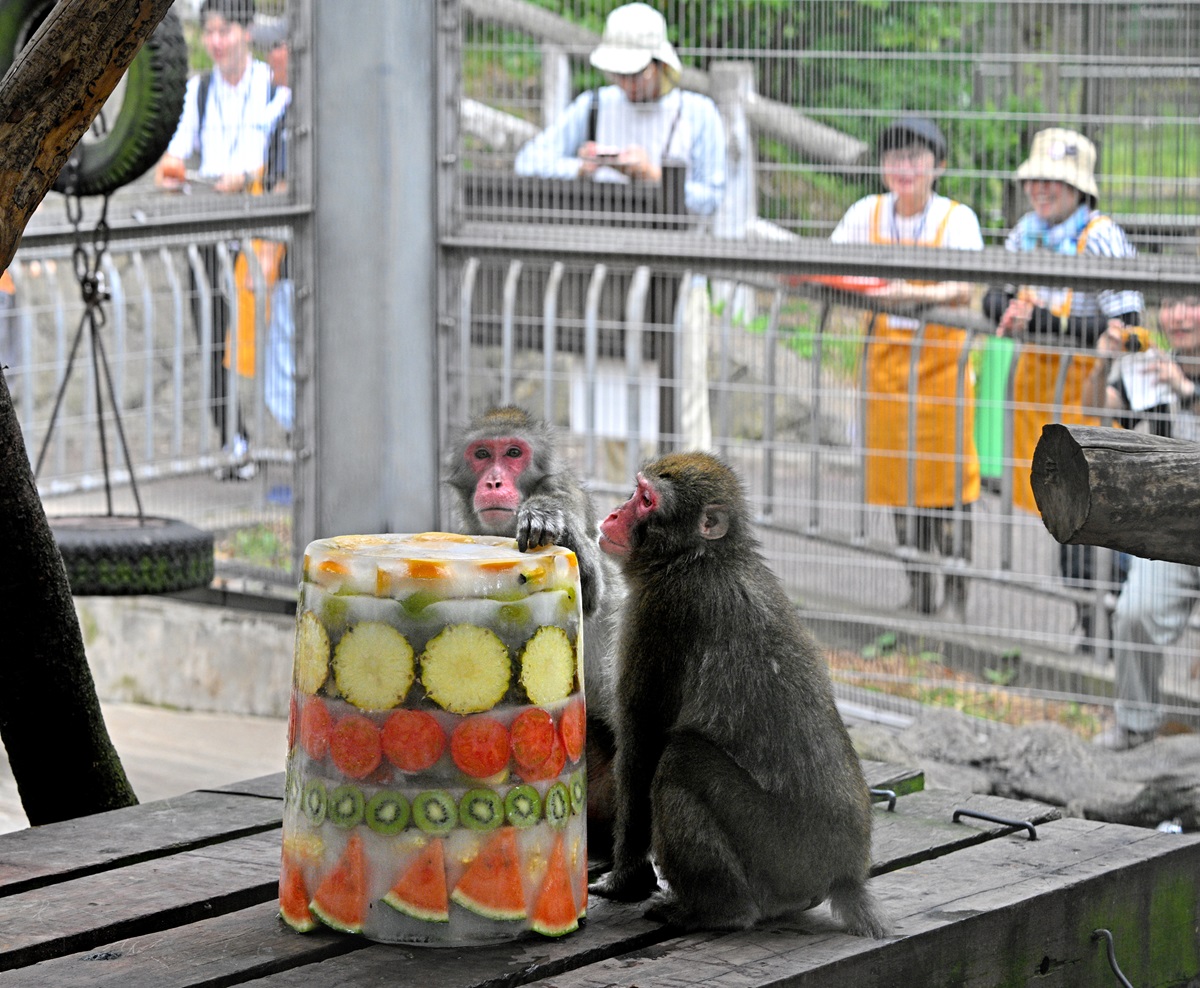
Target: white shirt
237 122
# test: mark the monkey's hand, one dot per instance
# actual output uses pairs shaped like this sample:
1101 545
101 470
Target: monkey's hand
540 522
627 884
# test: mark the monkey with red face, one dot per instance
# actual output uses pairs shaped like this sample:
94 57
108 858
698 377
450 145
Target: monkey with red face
510 480
733 770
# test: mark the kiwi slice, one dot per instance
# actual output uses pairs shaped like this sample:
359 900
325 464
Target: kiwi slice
558 805
435 812
387 812
415 603
578 790
291 787
481 809
345 806
522 806
316 801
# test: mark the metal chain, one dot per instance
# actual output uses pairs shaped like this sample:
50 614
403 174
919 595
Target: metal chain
94 290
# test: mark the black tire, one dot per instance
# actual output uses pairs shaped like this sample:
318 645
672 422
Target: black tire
139 127
113 555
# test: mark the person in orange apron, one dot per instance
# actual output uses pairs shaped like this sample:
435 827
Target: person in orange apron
1059 181
929 475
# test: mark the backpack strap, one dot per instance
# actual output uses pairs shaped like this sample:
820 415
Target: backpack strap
593 113
202 105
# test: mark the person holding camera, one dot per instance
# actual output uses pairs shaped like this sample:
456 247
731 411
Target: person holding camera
1058 179
1159 391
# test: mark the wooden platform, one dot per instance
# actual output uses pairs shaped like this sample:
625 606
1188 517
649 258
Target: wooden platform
182 892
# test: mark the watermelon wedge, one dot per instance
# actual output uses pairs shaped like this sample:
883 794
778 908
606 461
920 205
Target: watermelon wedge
491 885
340 900
421 890
554 912
293 897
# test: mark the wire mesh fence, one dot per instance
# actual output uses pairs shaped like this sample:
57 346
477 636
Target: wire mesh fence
886 445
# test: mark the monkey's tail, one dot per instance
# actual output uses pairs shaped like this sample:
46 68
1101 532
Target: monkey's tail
857 909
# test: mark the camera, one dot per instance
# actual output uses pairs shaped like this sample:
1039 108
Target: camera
1136 339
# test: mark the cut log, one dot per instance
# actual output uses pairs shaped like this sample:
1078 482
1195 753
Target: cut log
1119 489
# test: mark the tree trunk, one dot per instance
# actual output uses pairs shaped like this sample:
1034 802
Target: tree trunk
50 721
1119 489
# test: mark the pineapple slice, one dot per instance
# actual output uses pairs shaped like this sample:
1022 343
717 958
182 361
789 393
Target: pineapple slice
312 653
465 669
373 666
548 666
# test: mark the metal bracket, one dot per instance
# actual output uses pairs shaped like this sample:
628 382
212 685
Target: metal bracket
1020 824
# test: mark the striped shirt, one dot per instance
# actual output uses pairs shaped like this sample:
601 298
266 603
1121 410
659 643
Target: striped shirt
1104 238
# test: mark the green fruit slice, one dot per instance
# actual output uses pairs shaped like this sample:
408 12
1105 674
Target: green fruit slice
373 666
387 812
522 806
557 805
345 807
421 891
466 669
481 809
435 812
577 788
312 653
316 802
548 666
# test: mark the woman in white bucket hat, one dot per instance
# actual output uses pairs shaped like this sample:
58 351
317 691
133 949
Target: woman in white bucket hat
625 130
1059 181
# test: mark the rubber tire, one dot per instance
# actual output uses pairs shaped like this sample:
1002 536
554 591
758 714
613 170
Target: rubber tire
115 555
149 112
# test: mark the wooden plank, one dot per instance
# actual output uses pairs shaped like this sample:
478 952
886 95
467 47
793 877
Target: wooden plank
82 913
39 856
236 946
898 778
921 826
254 944
613 929
1010 911
267 786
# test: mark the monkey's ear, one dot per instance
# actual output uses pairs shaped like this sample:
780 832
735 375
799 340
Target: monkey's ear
714 521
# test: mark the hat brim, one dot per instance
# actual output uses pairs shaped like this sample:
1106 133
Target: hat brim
619 60
1041 169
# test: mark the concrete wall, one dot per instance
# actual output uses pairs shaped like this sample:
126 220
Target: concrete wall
172 653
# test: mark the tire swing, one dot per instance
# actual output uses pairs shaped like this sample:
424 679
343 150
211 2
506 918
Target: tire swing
137 121
113 554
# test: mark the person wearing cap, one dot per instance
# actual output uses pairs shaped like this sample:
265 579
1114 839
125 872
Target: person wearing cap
1161 389
624 131
1059 181
912 155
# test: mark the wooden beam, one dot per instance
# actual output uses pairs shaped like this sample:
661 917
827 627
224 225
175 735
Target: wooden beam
1119 489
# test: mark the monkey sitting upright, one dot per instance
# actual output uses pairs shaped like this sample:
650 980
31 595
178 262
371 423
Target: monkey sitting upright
505 468
733 766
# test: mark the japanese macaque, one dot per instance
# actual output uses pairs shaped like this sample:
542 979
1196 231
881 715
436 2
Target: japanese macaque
734 771
510 480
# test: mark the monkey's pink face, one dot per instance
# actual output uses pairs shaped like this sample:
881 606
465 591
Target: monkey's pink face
616 531
497 464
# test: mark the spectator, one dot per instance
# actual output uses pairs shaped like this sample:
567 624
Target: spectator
912 155
229 116
1157 599
625 132
1059 181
